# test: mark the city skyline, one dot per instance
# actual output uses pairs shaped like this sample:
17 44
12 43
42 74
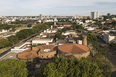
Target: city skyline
53 7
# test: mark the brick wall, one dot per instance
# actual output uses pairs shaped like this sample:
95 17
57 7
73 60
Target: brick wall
75 55
45 55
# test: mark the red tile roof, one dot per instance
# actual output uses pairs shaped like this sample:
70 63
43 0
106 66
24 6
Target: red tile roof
73 48
1 38
28 54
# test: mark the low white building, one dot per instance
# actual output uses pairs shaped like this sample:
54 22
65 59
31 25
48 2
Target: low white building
65 34
50 31
108 38
114 19
42 41
79 42
39 21
60 27
90 28
79 23
49 20
3 31
87 21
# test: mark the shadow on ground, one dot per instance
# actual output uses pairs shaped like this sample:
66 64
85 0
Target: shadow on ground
113 74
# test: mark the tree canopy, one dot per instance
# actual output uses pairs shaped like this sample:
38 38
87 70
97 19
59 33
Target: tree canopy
29 25
113 45
63 67
13 39
6 26
13 68
91 37
4 43
24 33
104 65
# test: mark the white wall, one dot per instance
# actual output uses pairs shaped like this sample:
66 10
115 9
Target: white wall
18 50
107 38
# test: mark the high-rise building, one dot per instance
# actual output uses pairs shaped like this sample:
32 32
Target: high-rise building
77 16
94 14
40 16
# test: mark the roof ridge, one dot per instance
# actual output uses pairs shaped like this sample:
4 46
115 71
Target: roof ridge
72 47
81 48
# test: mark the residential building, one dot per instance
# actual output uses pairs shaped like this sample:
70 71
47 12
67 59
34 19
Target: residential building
43 52
45 41
94 14
108 37
76 50
40 16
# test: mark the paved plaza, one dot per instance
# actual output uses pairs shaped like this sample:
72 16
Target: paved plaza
10 55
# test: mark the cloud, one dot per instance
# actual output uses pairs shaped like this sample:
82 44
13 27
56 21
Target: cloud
50 6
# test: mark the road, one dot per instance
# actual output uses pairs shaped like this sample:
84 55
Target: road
8 50
112 57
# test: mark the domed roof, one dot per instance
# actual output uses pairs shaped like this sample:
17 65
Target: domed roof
73 48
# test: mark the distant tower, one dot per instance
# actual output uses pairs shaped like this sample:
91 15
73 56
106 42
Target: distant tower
108 14
94 14
84 40
40 16
77 16
55 20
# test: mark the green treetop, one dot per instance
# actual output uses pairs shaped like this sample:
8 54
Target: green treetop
13 68
63 67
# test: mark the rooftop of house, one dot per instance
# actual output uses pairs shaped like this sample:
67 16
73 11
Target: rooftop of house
73 48
28 54
33 53
1 38
64 23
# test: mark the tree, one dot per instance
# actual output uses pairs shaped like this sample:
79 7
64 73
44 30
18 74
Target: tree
13 68
63 67
79 27
29 25
91 37
58 34
113 24
13 29
13 39
113 45
4 43
24 33
104 65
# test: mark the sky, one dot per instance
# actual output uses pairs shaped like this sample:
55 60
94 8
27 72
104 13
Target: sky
56 7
